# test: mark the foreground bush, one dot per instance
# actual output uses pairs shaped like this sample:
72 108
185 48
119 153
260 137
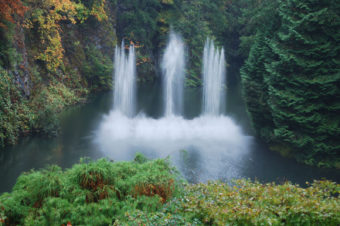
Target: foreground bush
149 193
91 193
247 203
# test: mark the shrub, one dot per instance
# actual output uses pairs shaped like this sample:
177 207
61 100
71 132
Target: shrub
15 115
90 193
151 193
47 105
247 203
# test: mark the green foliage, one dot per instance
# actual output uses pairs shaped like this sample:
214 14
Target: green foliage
254 77
8 53
95 8
97 69
15 115
47 105
140 158
195 31
305 111
292 76
147 24
95 193
42 63
223 18
247 203
138 23
137 20
40 114
124 193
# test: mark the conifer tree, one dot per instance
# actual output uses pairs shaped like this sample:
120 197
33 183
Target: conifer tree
304 78
255 90
254 75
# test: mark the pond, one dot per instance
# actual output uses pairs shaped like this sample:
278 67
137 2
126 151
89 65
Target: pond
197 155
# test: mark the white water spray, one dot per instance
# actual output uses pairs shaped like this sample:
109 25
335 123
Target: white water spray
173 64
217 141
214 144
125 80
213 79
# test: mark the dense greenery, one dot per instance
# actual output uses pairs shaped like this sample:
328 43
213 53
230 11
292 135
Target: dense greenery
291 80
51 57
54 53
148 23
146 192
91 193
289 51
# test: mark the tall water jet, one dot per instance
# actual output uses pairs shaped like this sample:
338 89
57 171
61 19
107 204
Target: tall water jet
173 64
213 79
125 80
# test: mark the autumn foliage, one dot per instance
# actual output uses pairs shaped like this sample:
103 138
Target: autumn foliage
46 17
9 8
162 190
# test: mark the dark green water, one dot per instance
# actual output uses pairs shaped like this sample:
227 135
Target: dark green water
81 123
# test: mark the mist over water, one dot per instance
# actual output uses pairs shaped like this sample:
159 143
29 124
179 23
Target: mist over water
213 139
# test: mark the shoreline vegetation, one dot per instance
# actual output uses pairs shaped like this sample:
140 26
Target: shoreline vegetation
151 192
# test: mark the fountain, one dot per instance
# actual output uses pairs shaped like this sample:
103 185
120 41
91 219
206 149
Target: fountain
124 80
215 143
173 75
213 79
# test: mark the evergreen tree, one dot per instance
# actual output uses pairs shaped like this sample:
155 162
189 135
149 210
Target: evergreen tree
255 90
304 78
254 75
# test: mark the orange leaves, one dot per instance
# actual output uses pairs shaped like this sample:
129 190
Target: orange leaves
162 190
10 7
47 16
143 60
136 44
99 187
54 51
92 181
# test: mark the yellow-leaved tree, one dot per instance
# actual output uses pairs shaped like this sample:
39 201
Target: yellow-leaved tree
45 16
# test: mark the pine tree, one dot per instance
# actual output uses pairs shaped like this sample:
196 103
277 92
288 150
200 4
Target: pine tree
254 75
255 90
304 79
